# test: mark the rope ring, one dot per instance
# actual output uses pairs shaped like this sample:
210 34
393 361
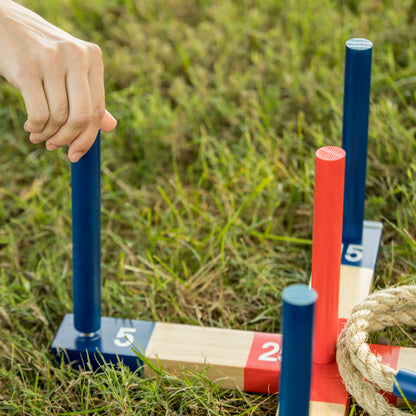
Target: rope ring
362 371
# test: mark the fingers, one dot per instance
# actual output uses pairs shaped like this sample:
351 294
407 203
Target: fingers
68 106
85 140
60 78
36 106
80 112
96 109
82 143
109 122
55 91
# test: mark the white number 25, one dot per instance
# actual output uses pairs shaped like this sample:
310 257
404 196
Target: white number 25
273 352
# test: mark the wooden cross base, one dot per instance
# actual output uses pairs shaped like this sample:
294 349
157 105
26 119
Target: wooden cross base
235 359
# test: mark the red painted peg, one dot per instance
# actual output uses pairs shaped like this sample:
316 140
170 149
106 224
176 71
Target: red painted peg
326 249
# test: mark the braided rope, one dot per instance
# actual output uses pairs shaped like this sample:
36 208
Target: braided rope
362 371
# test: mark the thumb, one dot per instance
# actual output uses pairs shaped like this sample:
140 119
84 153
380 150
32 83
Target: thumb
109 122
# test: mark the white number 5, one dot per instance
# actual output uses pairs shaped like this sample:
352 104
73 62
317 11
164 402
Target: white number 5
125 337
354 253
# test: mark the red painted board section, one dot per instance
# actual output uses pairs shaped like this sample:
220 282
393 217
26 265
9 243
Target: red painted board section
389 356
262 371
327 385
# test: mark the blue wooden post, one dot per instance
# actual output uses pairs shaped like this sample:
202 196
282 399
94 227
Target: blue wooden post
355 134
297 330
86 230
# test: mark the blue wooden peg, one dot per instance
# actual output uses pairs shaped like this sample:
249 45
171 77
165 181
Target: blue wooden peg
406 385
86 240
297 330
355 134
84 336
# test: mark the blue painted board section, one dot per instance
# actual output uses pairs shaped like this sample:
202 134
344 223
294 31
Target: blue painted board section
365 253
297 329
407 383
86 239
114 342
358 55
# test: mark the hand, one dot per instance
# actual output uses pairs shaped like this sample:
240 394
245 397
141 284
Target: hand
60 78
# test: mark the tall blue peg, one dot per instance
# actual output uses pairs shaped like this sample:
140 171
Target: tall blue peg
86 240
355 134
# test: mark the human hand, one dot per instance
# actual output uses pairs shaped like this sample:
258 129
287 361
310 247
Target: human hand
60 78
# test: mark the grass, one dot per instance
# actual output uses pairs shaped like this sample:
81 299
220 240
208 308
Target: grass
207 184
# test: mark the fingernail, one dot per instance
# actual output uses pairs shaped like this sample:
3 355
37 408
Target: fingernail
35 140
115 120
51 146
26 125
74 157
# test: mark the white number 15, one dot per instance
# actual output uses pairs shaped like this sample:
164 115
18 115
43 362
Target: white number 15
354 253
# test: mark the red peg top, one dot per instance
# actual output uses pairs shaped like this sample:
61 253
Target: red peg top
330 153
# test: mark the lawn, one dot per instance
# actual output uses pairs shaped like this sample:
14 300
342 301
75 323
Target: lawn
207 184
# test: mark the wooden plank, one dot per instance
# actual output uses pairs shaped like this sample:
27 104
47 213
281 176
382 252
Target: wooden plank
355 286
223 351
327 409
407 359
